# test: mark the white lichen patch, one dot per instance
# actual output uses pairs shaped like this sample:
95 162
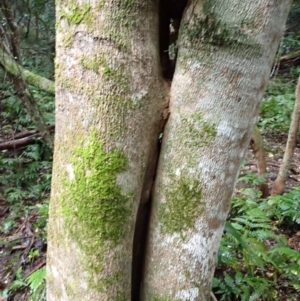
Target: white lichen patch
189 294
70 171
137 97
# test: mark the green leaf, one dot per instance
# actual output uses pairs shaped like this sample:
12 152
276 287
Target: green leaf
230 229
36 279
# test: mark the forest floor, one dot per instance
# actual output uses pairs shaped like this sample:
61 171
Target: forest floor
23 250
274 146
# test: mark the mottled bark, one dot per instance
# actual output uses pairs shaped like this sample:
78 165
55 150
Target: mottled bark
226 50
279 184
110 99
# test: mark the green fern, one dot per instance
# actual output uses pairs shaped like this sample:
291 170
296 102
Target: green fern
37 284
252 254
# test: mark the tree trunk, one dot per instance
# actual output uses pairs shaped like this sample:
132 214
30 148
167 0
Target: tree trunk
110 99
111 106
226 50
257 145
279 184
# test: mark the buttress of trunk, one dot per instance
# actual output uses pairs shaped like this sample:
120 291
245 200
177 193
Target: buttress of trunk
257 145
279 184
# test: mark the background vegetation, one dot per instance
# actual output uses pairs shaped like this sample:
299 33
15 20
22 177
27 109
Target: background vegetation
259 257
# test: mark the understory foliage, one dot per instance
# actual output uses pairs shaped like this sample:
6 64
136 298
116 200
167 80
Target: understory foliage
25 172
277 106
255 260
25 180
278 102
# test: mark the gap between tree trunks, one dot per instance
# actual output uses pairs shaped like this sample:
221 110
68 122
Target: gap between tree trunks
170 15
143 215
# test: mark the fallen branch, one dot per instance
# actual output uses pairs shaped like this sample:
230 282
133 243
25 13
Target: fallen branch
290 56
213 296
24 139
12 67
29 133
11 144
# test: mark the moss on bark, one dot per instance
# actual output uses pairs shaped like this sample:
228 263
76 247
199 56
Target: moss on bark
94 209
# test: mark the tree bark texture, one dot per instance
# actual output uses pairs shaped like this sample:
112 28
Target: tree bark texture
110 99
226 49
111 107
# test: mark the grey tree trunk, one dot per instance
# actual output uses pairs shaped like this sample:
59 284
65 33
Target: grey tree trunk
109 103
226 49
111 108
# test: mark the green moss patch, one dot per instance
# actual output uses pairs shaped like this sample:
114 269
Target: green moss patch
95 211
99 64
183 205
75 13
201 132
209 32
